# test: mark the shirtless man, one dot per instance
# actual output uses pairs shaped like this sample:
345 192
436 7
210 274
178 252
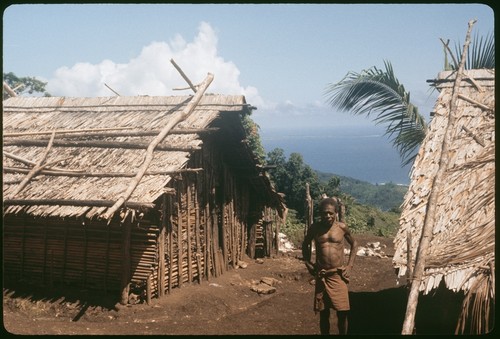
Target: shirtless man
332 276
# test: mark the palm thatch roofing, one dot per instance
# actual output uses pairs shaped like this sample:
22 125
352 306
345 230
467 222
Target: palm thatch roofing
462 247
99 145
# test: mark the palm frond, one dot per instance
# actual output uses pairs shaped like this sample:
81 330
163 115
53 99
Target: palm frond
481 52
375 90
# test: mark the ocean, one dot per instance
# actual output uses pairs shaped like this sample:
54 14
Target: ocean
363 153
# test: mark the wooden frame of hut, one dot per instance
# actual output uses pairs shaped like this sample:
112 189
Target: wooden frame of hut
197 200
461 238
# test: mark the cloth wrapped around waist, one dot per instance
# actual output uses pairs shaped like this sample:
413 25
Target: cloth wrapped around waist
331 290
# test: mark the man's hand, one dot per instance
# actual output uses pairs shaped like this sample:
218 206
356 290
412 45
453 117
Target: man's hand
311 268
346 272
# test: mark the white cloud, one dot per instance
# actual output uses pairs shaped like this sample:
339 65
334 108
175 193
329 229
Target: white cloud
151 72
316 114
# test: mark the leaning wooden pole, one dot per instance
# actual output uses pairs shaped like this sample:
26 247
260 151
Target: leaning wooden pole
35 169
9 90
437 187
149 154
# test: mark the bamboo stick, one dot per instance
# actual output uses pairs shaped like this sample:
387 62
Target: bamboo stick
149 155
64 131
208 240
197 231
437 185
170 246
71 134
29 162
148 289
179 230
183 76
126 270
188 230
473 136
65 202
474 102
82 173
161 247
36 168
9 90
100 144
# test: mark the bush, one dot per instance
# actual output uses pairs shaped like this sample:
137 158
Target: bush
294 229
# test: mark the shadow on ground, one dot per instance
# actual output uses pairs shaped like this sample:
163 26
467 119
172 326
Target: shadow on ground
383 312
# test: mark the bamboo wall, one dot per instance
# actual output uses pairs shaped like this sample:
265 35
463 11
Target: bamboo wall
198 233
74 252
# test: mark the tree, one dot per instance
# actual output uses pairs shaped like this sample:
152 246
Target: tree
23 85
375 90
379 91
481 53
253 137
290 177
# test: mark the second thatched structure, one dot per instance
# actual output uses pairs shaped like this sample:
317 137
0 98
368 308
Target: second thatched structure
461 251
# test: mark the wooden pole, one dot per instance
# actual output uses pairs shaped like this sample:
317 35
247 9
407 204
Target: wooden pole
197 228
65 202
77 173
9 90
149 154
180 251
188 231
35 169
161 247
170 245
437 187
98 144
65 131
126 258
148 289
183 75
109 132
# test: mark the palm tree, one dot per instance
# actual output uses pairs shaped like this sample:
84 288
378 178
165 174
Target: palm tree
376 90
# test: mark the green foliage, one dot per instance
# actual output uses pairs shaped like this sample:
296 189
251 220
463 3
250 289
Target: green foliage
294 228
386 197
481 53
23 85
370 208
290 178
253 137
376 90
370 220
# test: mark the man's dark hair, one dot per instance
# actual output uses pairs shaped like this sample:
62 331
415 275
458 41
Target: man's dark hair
329 202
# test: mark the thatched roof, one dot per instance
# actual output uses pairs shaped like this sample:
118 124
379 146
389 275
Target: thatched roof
106 138
462 247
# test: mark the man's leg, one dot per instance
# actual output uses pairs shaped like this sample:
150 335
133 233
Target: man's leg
324 321
342 321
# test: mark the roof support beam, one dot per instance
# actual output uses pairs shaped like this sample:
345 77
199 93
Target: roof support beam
64 202
97 144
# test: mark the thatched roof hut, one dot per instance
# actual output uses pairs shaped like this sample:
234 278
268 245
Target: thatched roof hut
461 252
192 214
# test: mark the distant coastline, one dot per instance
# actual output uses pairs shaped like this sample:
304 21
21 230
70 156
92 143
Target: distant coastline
363 153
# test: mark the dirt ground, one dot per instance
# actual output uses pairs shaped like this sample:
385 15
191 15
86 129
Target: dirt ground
228 305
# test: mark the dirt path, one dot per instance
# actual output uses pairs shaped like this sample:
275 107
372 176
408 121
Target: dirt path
224 305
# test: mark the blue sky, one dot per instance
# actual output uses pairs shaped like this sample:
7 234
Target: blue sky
281 56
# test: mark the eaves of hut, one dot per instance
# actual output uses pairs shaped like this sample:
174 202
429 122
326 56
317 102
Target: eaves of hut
461 251
192 215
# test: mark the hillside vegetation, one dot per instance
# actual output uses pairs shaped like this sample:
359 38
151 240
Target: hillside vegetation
370 209
387 197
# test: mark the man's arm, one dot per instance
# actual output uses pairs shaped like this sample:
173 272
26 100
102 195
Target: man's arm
307 250
354 248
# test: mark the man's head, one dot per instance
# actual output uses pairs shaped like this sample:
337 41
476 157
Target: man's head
328 210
